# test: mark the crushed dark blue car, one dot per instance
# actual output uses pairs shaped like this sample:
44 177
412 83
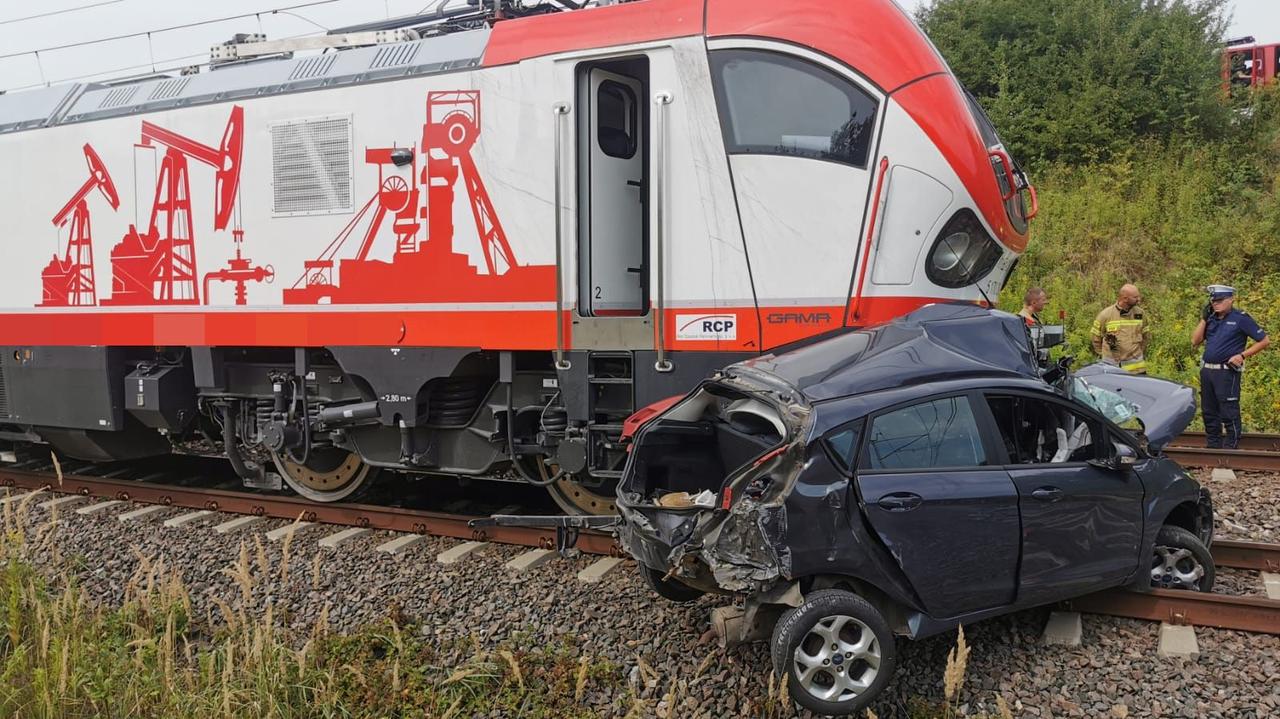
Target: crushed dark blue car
906 479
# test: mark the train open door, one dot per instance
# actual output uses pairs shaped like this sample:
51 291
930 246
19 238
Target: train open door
613 151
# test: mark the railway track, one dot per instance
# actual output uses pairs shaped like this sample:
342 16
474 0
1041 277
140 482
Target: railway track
365 516
1244 613
1259 452
1222 611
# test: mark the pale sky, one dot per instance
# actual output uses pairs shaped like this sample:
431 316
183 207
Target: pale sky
21 32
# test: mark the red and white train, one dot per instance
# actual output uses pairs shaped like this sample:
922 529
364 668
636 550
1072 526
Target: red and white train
475 253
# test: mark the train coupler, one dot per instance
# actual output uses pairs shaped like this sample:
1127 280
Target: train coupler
568 528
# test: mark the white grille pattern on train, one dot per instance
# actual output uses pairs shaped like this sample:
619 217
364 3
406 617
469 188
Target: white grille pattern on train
311 166
119 96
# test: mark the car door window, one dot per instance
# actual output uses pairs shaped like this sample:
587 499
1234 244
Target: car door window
1036 431
938 433
843 444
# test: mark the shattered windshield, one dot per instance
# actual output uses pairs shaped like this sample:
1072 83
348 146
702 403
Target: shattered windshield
1109 404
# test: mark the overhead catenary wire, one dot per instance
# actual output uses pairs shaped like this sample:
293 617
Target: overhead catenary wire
64 11
183 26
151 67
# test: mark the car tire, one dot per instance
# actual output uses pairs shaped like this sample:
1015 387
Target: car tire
1179 560
671 589
806 631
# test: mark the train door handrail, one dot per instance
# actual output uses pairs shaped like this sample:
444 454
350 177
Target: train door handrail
561 110
663 101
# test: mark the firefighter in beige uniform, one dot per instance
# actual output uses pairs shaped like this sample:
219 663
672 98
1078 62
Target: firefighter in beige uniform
1122 332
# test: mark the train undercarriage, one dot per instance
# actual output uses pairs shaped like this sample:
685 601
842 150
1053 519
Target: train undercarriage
324 422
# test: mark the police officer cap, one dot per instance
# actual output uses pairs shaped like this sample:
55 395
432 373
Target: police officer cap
1220 292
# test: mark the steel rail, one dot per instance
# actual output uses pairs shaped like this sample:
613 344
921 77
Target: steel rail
1251 459
1246 555
1255 442
394 519
1223 611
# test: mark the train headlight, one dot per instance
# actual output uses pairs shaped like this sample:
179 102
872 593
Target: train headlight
963 253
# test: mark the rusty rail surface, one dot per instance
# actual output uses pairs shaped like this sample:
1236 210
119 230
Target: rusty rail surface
1257 452
1252 459
1223 611
1246 555
1253 442
282 507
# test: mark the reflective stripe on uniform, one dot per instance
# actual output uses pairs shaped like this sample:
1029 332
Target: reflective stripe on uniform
1114 325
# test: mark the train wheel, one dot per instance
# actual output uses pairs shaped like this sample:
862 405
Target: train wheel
572 496
329 475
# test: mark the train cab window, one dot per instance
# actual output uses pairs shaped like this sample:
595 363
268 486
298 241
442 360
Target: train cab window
774 104
616 124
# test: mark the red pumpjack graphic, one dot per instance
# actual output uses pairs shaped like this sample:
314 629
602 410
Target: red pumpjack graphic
158 267
430 270
68 280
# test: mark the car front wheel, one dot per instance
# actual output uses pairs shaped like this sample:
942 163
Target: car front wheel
1181 561
836 651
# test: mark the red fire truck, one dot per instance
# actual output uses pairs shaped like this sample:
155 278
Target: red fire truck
1247 64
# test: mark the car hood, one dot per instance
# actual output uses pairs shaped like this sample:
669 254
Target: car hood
1164 406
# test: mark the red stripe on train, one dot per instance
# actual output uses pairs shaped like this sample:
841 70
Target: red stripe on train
490 329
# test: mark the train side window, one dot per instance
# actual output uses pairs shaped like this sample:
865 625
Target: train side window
775 104
616 131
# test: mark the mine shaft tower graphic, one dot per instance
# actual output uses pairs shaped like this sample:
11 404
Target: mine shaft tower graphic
430 269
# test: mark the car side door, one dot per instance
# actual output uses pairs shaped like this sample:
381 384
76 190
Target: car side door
1081 520
933 491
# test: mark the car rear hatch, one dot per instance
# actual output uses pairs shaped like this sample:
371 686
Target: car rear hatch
700 469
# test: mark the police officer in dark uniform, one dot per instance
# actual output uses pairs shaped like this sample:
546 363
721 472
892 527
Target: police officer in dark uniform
1224 331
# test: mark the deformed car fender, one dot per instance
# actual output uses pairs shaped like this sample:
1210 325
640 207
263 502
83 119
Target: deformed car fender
1168 487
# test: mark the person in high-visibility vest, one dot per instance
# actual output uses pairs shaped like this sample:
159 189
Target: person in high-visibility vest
1122 332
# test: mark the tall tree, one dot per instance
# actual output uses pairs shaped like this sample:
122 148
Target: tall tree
1079 80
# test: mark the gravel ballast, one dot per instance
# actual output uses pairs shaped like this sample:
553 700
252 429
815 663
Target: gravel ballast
1114 673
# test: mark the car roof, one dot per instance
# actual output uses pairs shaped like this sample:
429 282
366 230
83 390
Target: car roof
937 343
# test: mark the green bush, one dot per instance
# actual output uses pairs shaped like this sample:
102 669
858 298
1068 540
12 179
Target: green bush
1171 217
1077 80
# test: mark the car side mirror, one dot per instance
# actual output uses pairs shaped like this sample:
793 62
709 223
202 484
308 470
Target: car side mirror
1124 458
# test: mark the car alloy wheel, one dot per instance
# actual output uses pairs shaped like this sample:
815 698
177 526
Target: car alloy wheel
838 659
1180 560
835 650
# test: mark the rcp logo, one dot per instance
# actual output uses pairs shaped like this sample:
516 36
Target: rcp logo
706 327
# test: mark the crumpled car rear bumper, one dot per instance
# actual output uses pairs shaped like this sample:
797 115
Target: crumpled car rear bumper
714 550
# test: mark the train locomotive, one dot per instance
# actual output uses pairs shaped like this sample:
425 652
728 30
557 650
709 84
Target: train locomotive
469 244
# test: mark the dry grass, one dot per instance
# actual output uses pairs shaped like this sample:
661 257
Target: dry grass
63 656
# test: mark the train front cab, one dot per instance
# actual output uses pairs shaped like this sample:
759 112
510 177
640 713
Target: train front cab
786 175
782 176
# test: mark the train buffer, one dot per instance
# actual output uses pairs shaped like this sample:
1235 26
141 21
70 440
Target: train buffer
568 527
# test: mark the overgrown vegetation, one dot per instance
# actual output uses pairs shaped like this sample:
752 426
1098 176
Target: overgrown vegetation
62 656
1147 171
